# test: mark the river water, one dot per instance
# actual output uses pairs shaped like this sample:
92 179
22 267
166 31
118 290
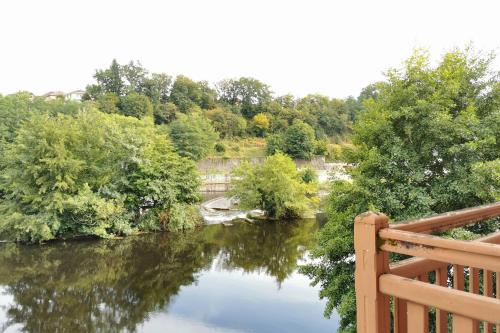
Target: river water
217 279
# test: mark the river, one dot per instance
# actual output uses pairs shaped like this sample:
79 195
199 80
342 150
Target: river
215 279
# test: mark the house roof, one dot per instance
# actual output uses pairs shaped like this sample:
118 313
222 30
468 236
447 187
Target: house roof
53 93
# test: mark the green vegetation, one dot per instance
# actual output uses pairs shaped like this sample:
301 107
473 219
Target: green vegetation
241 148
92 174
275 187
428 143
236 108
193 136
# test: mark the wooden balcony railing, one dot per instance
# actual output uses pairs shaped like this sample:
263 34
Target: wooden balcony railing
445 280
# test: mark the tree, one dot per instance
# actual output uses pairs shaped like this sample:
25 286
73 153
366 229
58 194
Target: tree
92 174
135 105
422 148
193 136
108 103
226 123
249 94
260 124
157 87
187 93
299 141
164 113
111 80
275 187
327 116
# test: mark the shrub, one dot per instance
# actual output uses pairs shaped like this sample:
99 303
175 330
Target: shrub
90 174
275 187
219 147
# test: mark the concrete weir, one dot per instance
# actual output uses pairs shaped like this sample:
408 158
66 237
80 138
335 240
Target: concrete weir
221 210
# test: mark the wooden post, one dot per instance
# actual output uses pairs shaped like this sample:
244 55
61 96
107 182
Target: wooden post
372 306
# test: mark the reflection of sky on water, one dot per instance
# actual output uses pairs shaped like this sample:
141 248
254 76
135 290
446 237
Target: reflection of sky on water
212 280
234 301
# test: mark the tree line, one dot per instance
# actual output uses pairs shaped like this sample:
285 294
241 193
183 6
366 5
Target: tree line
232 108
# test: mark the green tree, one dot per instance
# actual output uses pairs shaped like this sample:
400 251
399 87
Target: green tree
299 141
136 105
193 136
108 103
92 174
226 123
423 147
249 94
187 93
260 124
275 187
110 80
164 113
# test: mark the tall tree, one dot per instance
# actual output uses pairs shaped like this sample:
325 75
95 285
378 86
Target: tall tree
249 94
427 144
111 80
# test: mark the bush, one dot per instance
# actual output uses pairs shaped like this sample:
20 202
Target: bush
164 113
274 144
299 140
219 147
275 187
308 175
136 105
90 174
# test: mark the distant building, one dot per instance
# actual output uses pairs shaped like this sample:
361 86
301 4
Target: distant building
75 95
51 95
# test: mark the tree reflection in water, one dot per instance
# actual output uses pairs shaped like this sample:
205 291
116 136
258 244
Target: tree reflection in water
114 285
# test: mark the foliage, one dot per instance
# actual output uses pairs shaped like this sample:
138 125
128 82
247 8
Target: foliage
274 144
260 124
422 147
226 123
108 102
275 187
219 147
299 141
187 93
192 136
90 174
136 105
308 175
249 94
164 113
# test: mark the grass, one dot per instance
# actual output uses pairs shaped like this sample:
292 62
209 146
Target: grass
241 148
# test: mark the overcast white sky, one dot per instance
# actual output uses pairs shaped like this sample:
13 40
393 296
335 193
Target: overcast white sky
299 47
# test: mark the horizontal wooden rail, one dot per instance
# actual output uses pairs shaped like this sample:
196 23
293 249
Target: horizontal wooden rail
473 254
455 301
450 220
414 267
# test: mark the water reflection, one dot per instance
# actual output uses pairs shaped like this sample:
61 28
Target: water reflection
217 279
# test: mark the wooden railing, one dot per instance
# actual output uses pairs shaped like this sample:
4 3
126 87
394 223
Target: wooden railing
448 282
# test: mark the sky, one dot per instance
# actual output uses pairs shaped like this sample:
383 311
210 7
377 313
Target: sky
329 47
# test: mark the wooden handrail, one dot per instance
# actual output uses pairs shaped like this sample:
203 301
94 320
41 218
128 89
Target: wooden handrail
455 301
450 220
412 239
414 267
407 281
